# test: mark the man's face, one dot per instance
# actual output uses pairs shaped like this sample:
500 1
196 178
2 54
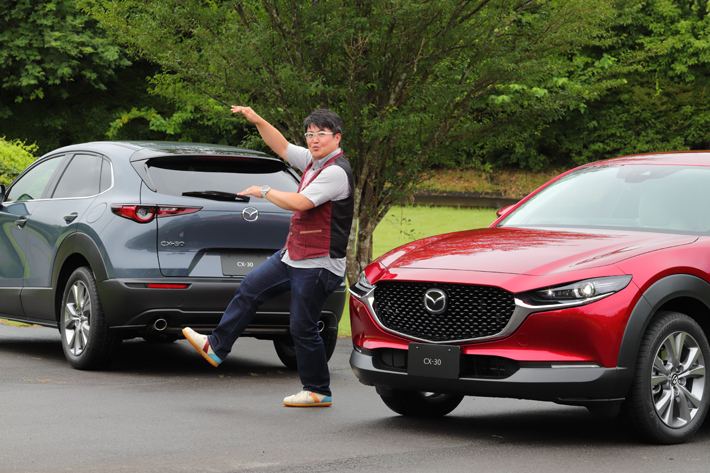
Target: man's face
322 146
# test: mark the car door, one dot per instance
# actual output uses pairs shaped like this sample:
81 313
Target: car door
51 222
21 200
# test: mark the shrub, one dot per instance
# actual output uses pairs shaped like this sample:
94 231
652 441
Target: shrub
15 156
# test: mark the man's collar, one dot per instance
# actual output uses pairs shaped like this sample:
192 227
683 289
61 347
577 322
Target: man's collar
318 163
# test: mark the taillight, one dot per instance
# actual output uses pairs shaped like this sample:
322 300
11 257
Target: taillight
167 286
164 211
137 213
146 213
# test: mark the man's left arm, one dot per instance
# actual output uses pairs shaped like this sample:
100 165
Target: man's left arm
331 184
285 200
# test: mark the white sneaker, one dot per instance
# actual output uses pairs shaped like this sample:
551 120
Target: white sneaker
308 399
202 345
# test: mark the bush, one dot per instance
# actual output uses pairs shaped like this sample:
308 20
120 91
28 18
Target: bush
15 156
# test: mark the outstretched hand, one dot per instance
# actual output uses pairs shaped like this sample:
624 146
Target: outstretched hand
248 113
253 191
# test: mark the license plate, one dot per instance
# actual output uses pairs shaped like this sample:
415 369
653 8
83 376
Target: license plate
434 361
241 263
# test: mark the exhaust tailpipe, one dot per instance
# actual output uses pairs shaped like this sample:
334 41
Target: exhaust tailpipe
160 324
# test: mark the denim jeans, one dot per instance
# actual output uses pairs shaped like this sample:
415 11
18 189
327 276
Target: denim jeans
309 290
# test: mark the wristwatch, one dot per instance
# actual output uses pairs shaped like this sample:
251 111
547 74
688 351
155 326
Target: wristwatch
264 190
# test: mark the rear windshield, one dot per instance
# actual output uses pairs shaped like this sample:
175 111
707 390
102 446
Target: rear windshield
173 176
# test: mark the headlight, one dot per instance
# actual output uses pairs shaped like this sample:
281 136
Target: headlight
362 287
576 293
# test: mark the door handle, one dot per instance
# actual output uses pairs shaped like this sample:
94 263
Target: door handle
21 222
70 218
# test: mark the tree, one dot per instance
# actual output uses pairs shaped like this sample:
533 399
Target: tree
663 106
64 81
56 63
53 45
412 80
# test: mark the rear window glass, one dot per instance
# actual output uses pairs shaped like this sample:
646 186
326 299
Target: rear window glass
173 176
81 178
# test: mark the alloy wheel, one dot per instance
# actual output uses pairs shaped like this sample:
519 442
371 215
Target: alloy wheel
678 379
77 318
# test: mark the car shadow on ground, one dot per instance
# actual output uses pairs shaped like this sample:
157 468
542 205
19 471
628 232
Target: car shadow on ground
140 357
179 358
551 425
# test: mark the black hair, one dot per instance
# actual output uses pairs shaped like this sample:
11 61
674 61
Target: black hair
324 118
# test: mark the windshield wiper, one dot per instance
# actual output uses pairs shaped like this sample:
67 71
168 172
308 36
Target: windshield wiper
218 195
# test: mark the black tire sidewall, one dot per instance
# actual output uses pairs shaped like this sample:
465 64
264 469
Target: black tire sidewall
286 350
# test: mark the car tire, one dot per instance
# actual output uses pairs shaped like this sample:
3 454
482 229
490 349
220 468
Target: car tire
420 404
86 340
286 349
669 396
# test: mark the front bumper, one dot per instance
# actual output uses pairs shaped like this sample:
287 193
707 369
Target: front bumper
572 386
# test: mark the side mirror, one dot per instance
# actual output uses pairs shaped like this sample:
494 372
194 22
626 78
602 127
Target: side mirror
2 193
504 210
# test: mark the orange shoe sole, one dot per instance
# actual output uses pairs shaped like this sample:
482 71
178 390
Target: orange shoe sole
200 351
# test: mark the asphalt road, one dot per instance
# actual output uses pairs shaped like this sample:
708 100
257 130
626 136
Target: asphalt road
163 408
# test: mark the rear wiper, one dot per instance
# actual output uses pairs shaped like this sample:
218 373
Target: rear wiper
218 195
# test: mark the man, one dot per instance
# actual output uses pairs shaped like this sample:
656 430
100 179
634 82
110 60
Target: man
311 265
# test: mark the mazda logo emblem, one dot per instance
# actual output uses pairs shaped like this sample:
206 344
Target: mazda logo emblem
435 301
250 214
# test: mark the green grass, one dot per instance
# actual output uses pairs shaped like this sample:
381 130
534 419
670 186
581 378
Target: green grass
405 224
12 323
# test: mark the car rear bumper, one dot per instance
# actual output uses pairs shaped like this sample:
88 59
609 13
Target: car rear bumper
568 385
131 305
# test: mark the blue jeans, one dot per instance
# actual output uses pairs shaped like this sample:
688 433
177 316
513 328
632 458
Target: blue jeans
309 290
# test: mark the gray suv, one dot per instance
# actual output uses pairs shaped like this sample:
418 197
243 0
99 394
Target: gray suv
113 240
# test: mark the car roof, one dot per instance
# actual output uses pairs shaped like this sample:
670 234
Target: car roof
153 149
675 158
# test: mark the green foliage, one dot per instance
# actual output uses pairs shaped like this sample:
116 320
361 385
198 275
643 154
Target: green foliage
15 156
51 47
57 68
178 123
662 107
66 81
412 80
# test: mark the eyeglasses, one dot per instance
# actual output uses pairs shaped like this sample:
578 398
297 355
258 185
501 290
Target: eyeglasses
320 135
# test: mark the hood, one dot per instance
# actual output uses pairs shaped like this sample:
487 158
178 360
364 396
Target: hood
527 251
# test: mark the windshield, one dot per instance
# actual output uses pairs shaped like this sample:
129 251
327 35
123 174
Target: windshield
657 198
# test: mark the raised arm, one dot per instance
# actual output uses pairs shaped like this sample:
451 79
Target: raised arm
272 137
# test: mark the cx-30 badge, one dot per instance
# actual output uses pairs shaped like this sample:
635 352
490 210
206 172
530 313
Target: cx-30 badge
435 301
250 214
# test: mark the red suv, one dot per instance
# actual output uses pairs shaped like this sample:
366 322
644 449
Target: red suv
593 291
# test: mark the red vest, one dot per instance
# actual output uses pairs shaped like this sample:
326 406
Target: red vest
322 230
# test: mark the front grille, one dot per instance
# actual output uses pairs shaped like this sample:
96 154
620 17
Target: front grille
472 311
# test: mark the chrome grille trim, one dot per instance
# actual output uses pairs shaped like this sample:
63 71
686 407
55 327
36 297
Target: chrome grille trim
492 311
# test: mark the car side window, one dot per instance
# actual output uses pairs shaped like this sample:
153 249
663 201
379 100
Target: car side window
106 175
32 185
81 178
